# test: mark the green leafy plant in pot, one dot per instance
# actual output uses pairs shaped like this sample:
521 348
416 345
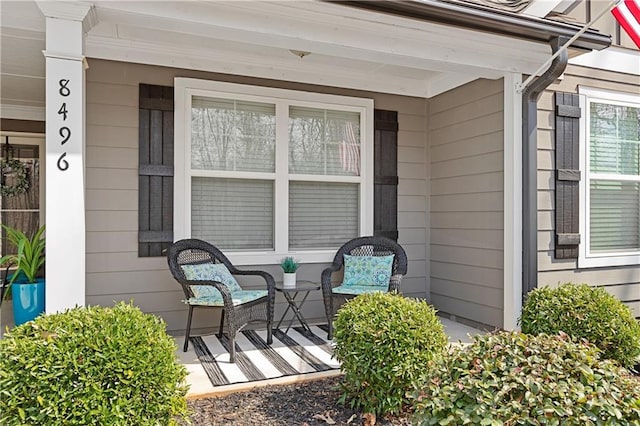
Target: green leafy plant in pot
27 288
289 267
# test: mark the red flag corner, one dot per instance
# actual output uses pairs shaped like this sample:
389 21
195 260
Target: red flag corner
627 13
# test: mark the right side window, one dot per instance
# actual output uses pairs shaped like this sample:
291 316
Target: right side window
610 159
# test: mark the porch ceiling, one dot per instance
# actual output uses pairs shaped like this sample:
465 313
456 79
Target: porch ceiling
348 47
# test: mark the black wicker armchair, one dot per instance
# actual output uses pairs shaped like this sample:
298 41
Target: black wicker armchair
192 261
363 246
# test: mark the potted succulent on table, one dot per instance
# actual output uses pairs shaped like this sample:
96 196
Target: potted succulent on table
27 288
289 267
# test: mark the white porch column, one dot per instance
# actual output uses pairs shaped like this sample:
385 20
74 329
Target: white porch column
65 142
512 202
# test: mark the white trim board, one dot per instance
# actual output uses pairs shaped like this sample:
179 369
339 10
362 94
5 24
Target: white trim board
20 112
614 59
585 258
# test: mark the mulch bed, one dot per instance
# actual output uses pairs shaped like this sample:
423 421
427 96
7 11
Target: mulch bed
302 404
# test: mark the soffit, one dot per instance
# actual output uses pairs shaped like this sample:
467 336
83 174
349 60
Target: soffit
349 47
341 41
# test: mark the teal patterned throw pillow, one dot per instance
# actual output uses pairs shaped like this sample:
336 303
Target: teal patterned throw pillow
209 272
367 270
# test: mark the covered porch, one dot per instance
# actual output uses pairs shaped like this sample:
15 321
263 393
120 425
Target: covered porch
449 78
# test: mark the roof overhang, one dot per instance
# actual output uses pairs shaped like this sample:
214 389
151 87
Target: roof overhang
408 48
481 18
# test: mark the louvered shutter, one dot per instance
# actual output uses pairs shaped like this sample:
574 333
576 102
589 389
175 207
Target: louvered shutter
385 215
155 170
567 174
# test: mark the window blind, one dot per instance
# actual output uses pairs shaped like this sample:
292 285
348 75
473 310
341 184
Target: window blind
614 149
233 135
232 214
615 139
615 216
321 214
324 142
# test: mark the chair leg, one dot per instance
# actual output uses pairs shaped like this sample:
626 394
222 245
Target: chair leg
232 349
269 333
329 313
186 337
220 332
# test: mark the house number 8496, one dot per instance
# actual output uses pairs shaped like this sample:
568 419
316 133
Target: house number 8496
64 131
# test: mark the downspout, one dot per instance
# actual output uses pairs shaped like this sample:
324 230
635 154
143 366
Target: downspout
530 95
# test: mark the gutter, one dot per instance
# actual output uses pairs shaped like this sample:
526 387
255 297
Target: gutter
530 95
486 19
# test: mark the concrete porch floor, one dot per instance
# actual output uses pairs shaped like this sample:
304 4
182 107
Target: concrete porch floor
200 385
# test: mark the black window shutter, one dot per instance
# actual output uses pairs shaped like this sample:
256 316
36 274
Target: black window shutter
567 178
385 160
155 170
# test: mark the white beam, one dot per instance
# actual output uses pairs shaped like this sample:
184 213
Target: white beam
66 24
22 112
512 202
448 81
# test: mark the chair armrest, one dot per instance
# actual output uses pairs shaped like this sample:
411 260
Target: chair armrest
271 289
271 282
325 279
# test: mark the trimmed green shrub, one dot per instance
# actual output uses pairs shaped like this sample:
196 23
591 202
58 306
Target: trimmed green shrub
91 366
584 312
518 379
384 341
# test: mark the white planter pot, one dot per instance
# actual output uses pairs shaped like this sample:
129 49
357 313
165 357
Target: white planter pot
289 280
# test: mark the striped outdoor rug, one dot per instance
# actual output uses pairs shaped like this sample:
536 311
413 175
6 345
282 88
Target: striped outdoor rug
297 352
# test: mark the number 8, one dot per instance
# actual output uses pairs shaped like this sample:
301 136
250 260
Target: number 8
64 90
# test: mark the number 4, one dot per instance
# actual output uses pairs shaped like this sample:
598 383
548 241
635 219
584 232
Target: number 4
63 111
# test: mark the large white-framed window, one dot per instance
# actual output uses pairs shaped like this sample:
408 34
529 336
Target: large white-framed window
263 173
610 188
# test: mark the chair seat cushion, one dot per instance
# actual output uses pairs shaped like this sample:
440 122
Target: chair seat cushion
355 290
367 270
239 297
210 272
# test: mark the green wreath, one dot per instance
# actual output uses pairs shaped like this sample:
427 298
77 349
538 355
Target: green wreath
21 172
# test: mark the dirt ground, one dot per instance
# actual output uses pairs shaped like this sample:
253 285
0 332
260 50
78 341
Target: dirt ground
303 404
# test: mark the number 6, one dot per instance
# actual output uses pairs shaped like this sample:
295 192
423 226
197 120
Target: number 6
62 163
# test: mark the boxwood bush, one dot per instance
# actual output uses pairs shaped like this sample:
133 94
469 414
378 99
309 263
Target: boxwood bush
384 341
584 312
91 366
518 379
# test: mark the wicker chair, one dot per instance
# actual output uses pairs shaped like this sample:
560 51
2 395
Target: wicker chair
363 246
238 306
